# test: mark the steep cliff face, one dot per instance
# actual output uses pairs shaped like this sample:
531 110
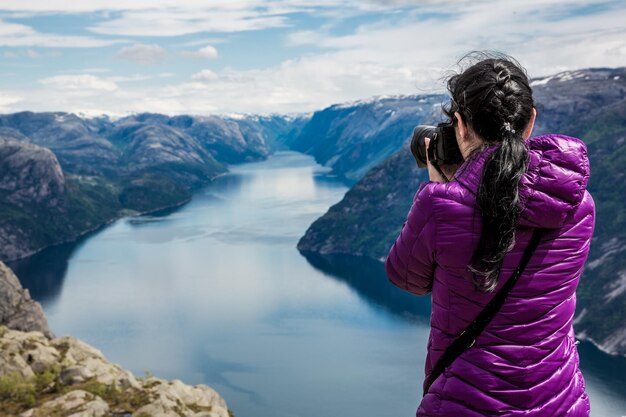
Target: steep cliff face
30 174
17 310
40 205
590 104
351 138
31 177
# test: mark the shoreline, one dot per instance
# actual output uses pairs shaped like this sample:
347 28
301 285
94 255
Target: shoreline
129 214
586 338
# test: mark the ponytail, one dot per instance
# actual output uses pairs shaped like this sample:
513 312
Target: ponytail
498 200
494 98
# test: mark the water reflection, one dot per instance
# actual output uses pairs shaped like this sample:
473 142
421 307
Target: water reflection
368 278
43 274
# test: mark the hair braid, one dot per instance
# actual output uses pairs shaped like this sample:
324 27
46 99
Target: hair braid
494 98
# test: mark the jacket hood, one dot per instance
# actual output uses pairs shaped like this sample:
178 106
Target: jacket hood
552 187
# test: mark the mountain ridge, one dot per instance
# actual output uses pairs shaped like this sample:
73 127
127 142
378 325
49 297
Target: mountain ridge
108 169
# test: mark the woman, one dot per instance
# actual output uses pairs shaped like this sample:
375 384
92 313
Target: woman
464 238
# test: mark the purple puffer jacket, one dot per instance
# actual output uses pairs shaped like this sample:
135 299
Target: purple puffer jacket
525 363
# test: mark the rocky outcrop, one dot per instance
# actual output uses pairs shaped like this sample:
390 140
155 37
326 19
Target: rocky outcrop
66 377
41 375
590 104
31 178
30 174
17 309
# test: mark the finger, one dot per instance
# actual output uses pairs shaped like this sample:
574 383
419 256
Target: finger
427 142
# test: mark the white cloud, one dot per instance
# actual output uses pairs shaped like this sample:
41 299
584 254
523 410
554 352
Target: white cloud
82 83
175 17
204 41
177 22
305 37
143 53
89 70
207 52
7 100
15 34
129 78
273 6
30 53
206 75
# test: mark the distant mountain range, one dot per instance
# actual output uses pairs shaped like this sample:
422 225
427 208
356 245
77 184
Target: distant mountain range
590 104
63 175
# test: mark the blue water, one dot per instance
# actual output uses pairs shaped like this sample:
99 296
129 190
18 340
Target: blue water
216 292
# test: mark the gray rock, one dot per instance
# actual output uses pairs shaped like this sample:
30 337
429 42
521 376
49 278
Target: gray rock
30 353
30 174
73 375
17 309
76 403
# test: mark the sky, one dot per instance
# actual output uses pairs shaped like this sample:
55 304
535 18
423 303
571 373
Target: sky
278 56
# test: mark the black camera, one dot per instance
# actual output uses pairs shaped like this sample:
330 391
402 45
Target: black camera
443 148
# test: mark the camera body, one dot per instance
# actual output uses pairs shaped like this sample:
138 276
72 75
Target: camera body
443 148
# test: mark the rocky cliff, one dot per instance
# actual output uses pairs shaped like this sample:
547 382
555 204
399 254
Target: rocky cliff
43 376
30 174
41 205
64 377
17 310
590 104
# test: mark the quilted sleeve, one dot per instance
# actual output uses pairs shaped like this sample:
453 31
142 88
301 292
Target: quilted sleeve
410 262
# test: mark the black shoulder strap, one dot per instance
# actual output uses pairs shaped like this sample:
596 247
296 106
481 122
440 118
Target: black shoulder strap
467 338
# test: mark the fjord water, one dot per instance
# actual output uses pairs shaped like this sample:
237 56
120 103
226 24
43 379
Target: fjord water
216 292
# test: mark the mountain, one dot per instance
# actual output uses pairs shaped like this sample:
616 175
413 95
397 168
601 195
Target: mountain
229 139
78 147
353 137
41 375
63 175
590 104
40 205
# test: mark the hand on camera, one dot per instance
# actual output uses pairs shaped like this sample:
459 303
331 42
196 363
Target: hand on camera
433 174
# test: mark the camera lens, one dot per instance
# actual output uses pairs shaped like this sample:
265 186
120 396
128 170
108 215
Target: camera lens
418 143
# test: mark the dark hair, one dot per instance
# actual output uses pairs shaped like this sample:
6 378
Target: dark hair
494 98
